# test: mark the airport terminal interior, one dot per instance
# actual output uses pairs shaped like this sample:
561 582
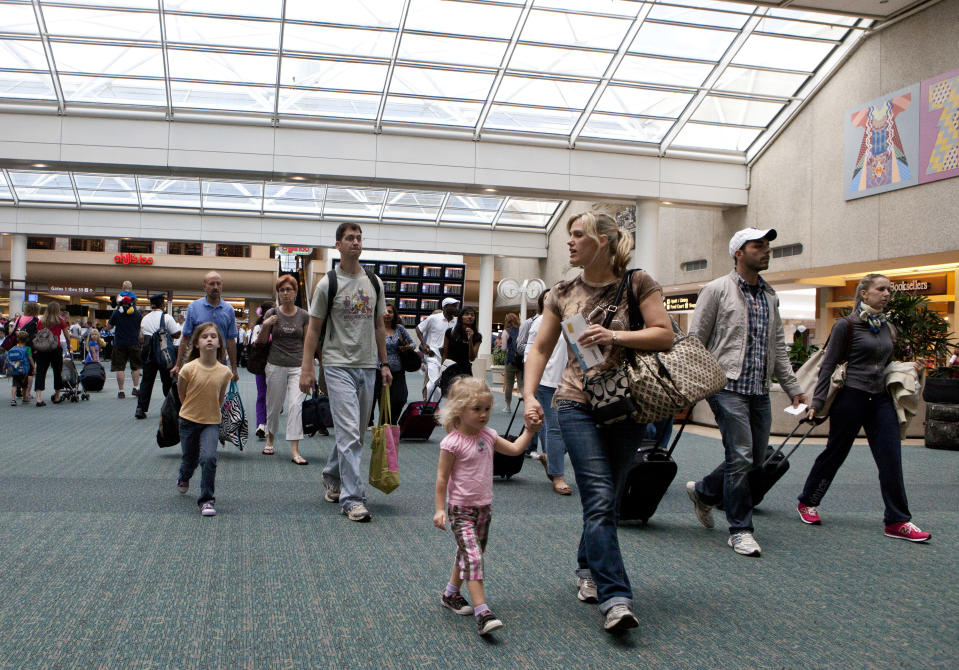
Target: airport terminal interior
154 141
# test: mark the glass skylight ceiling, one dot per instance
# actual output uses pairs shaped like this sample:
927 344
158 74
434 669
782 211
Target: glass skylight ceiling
298 199
699 74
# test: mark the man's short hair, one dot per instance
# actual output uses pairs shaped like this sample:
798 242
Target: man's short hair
343 227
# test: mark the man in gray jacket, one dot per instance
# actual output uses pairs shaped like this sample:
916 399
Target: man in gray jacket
737 318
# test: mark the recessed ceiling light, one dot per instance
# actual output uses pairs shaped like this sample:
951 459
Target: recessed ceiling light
298 178
39 165
666 202
490 190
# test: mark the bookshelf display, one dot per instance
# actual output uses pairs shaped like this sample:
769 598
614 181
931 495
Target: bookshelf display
417 289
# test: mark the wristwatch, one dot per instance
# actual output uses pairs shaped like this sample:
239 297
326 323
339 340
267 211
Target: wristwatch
386 364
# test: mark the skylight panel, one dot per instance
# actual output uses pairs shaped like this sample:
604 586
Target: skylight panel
170 192
441 83
645 70
104 182
373 13
468 215
547 207
682 41
222 67
546 92
328 103
735 111
412 212
451 50
19 19
523 219
624 8
417 198
257 8
698 16
422 110
133 4
83 22
332 74
461 18
373 196
824 17
26 85
781 52
802 29
290 206
574 29
238 189
548 60
335 40
630 128
280 190
724 138
43 186
109 90
222 96
22 55
104 59
760 82
531 119
644 102
222 32
107 197
468 201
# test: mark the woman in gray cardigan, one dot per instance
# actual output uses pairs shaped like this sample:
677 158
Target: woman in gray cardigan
862 402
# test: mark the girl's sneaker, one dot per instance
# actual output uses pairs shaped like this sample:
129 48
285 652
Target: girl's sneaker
206 509
486 623
809 514
907 530
457 603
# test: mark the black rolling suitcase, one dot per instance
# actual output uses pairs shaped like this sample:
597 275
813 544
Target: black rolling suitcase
776 464
506 466
93 377
418 419
649 477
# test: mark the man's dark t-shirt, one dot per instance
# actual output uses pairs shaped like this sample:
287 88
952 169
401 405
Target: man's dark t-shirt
127 333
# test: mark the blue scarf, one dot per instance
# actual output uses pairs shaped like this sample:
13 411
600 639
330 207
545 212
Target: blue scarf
874 318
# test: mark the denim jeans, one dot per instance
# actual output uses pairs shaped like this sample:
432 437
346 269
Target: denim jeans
351 399
744 422
553 445
600 457
198 444
854 409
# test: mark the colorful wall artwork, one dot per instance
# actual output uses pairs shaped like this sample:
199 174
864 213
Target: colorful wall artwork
882 144
939 127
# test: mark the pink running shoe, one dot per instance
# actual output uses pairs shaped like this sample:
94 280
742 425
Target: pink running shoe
809 514
907 530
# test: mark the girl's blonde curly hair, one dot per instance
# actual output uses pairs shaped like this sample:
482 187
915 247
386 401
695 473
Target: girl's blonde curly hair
463 391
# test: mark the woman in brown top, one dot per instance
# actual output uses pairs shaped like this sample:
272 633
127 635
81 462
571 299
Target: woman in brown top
600 458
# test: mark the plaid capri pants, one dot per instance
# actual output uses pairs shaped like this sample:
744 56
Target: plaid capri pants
470 526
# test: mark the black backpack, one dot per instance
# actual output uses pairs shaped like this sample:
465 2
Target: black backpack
162 349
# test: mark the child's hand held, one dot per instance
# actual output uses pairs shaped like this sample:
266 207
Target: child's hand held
439 519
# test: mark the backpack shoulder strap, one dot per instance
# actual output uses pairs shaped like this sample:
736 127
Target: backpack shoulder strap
330 296
375 282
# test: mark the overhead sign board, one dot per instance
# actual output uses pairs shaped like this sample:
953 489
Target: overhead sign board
295 251
73 289
680 303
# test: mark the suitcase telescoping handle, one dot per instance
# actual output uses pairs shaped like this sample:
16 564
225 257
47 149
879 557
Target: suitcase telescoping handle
509 428
815 421
682 427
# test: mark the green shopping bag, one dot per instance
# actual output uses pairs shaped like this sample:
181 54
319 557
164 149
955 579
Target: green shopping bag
384 453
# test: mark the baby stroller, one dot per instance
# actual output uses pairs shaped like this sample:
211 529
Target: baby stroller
71 382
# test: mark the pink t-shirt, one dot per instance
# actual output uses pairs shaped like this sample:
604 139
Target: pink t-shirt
471 479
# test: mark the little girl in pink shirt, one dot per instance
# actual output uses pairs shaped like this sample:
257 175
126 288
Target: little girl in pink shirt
464 491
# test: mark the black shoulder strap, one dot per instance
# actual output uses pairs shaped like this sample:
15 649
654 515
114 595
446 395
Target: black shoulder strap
845 355
613 307
330 296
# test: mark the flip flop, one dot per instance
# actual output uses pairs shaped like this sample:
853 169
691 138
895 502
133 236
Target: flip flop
269 451
302 461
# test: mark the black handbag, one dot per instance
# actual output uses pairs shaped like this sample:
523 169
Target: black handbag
410 360
256 361
316 413
168 433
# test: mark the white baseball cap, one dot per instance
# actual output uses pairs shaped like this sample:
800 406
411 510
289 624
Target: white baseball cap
450 301
740 237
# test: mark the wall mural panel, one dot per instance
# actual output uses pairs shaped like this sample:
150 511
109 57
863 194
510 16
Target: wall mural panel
939 127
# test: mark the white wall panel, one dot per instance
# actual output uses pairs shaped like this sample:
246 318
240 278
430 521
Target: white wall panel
621 166
427 151
329 144
113 132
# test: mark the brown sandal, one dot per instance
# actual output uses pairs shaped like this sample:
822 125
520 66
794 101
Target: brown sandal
562 489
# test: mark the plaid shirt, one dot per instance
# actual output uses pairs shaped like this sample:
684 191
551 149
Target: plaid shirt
752 379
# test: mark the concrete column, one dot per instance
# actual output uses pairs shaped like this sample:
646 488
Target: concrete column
18 272
646 249
486 290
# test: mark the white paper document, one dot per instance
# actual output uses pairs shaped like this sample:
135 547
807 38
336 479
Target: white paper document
588 356
796 411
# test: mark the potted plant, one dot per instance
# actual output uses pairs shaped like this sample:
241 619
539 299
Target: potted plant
922 335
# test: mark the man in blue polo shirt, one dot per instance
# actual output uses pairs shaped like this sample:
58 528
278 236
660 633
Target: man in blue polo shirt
209 308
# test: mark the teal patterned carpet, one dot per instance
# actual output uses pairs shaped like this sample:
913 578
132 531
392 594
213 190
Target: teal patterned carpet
104 565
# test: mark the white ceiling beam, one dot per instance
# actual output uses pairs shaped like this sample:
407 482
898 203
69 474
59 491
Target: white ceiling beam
378 124
48 52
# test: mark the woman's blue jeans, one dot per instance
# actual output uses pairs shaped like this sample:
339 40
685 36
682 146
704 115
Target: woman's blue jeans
553 445
198 443
600 457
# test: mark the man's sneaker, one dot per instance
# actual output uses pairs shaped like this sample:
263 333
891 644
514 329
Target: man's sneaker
620 617
704 512
136 391
357 512
457 603
332 494
121 395
206 509
261 431
486 623
809 514
139 414
182 486
744 543
587 590
907 530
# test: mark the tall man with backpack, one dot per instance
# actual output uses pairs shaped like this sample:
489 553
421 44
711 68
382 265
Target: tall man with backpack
346 330
126 345
157 331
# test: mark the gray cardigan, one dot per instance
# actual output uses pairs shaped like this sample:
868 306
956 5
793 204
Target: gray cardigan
869 353
721 321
